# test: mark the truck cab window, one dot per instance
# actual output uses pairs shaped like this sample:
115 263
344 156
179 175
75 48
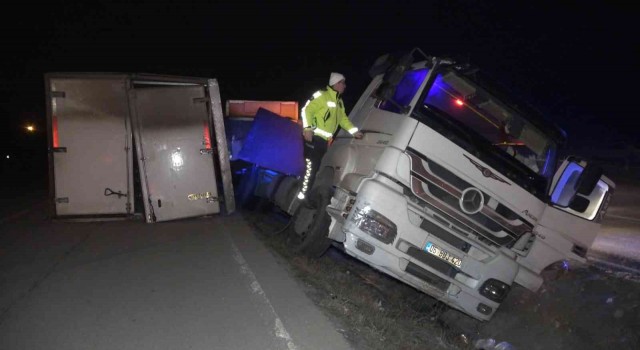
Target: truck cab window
492 120
406 90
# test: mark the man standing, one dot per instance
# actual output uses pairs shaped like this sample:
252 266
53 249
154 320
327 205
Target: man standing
321 116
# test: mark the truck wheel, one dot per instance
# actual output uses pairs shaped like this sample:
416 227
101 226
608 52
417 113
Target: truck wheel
308 233
287 193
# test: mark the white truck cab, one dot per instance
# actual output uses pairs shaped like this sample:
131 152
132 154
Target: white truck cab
455 189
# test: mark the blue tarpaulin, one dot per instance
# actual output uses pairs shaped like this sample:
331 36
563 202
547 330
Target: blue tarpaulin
275 143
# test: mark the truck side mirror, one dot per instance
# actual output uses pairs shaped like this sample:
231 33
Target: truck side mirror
393 76
380 66
588 179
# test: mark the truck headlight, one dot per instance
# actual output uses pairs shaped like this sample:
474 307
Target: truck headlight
374 224
494 290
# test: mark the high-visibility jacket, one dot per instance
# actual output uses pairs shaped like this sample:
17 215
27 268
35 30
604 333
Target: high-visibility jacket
324 112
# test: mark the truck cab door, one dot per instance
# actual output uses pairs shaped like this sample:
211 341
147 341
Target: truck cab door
578 199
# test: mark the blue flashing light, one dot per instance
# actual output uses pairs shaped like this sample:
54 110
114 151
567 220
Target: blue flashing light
409 86
437 88
407 89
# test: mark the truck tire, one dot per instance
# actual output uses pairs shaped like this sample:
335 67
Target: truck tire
310 227
287 193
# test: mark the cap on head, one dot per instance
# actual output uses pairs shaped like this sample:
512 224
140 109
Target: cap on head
335 78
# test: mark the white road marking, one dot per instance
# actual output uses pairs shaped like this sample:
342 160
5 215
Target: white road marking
279 330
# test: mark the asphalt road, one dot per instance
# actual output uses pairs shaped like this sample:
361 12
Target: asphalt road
204 283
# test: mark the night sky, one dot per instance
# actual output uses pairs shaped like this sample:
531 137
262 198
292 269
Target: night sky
576 61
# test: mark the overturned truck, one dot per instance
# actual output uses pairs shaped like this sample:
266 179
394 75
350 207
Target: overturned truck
456 188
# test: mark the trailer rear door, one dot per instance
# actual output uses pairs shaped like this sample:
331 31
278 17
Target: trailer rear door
89 144
173 140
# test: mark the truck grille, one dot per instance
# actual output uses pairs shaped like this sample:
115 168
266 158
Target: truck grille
441 190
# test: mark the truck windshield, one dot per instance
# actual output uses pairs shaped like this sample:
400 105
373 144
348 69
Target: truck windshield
478 119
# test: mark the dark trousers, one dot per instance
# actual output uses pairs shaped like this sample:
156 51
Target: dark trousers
313 153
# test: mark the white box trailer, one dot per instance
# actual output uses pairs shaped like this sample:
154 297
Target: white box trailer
106 128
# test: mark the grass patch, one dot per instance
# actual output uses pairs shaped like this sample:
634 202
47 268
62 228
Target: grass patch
372 310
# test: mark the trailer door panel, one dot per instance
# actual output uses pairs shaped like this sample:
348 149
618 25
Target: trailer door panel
176 158
89 145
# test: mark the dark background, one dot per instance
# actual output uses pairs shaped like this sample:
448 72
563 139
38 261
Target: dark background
576 61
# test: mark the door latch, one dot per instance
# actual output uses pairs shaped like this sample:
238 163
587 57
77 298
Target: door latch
110 192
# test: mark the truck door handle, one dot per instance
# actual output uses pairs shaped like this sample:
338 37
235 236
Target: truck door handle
59 149
206 151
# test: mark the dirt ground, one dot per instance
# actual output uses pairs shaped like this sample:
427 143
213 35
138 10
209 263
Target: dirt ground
578 307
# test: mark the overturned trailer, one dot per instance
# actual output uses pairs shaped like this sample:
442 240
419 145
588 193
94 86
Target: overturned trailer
122 144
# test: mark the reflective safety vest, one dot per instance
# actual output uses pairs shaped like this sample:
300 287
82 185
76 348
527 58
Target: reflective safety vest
324 112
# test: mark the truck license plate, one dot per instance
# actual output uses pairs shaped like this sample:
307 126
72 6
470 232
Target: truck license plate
443 254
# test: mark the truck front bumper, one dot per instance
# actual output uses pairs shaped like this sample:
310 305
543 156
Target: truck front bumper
454 277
